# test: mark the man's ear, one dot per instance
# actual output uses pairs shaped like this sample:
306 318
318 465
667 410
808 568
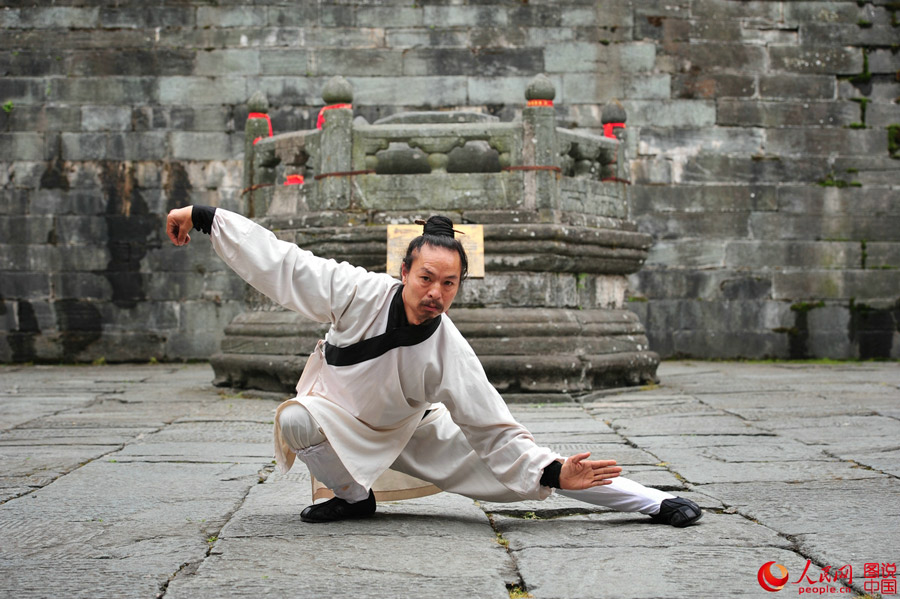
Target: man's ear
403 272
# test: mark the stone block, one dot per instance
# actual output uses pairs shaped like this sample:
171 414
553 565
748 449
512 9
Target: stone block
105 118
727 345
201 329
465 16
882 254
146 17
25 117
502 62
202 90
677 284
27 63
672 113
201 146
294 62
340 37
687 253
81 285
846 34
816 60
737 316
120 91
22 229
797 86
725 10
881 116
574 57
389 16
658 8
576 16
649 87
13 201
21 90
883 61
412 38
744 287
185 118
803 199
706 29
863 285
651 171
230 16
588 88
296 90
749 113
134 62
714 225
536 15
301 14
24 285
227 62
84 146
715 168
418 91
825 142
21 146
58 17
439 61
138 146
824 227
661 29
710 57
676 142
703 85
775 254
362 62
544 36
79 229
497 37
799 14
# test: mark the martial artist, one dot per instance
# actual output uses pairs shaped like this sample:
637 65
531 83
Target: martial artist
395 388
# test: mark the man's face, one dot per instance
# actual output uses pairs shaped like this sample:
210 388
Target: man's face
430 283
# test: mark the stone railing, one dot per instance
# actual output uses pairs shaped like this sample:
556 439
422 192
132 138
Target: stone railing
548 317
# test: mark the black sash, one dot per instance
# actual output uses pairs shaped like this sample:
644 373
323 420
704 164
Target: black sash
398 333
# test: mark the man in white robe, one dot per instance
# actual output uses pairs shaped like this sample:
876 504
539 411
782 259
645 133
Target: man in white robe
395 388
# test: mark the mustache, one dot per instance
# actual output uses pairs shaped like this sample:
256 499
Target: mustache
436 304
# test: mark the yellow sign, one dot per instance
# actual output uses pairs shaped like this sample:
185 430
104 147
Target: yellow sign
399 236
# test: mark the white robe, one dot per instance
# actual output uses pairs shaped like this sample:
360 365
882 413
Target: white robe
370 410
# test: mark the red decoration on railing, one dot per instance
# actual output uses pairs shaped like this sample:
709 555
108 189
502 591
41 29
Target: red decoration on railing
294 180
321 120
540 102
608 128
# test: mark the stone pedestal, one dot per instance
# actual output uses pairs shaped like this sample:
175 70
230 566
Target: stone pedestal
549 320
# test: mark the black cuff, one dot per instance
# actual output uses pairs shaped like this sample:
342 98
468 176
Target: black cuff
550 477
202 218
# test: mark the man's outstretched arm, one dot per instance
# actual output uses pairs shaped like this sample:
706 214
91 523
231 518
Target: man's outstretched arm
577 472
179 224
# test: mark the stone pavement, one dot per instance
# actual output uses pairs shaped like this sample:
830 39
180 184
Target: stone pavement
145 481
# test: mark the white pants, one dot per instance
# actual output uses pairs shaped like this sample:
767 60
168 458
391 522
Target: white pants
439 453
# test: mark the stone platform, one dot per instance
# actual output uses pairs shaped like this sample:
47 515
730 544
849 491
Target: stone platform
145 481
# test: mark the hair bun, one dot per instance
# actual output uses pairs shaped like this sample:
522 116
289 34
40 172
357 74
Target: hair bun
438 226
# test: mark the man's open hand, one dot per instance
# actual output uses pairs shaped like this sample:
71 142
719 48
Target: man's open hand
179 224
580 473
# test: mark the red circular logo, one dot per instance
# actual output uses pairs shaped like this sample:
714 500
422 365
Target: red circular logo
769 581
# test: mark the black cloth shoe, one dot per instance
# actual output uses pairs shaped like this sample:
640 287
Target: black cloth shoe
678 512
337 509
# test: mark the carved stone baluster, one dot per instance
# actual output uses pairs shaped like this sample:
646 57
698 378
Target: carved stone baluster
258 126
335 148
539 145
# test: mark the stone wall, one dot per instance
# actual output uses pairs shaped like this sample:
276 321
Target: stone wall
763 138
